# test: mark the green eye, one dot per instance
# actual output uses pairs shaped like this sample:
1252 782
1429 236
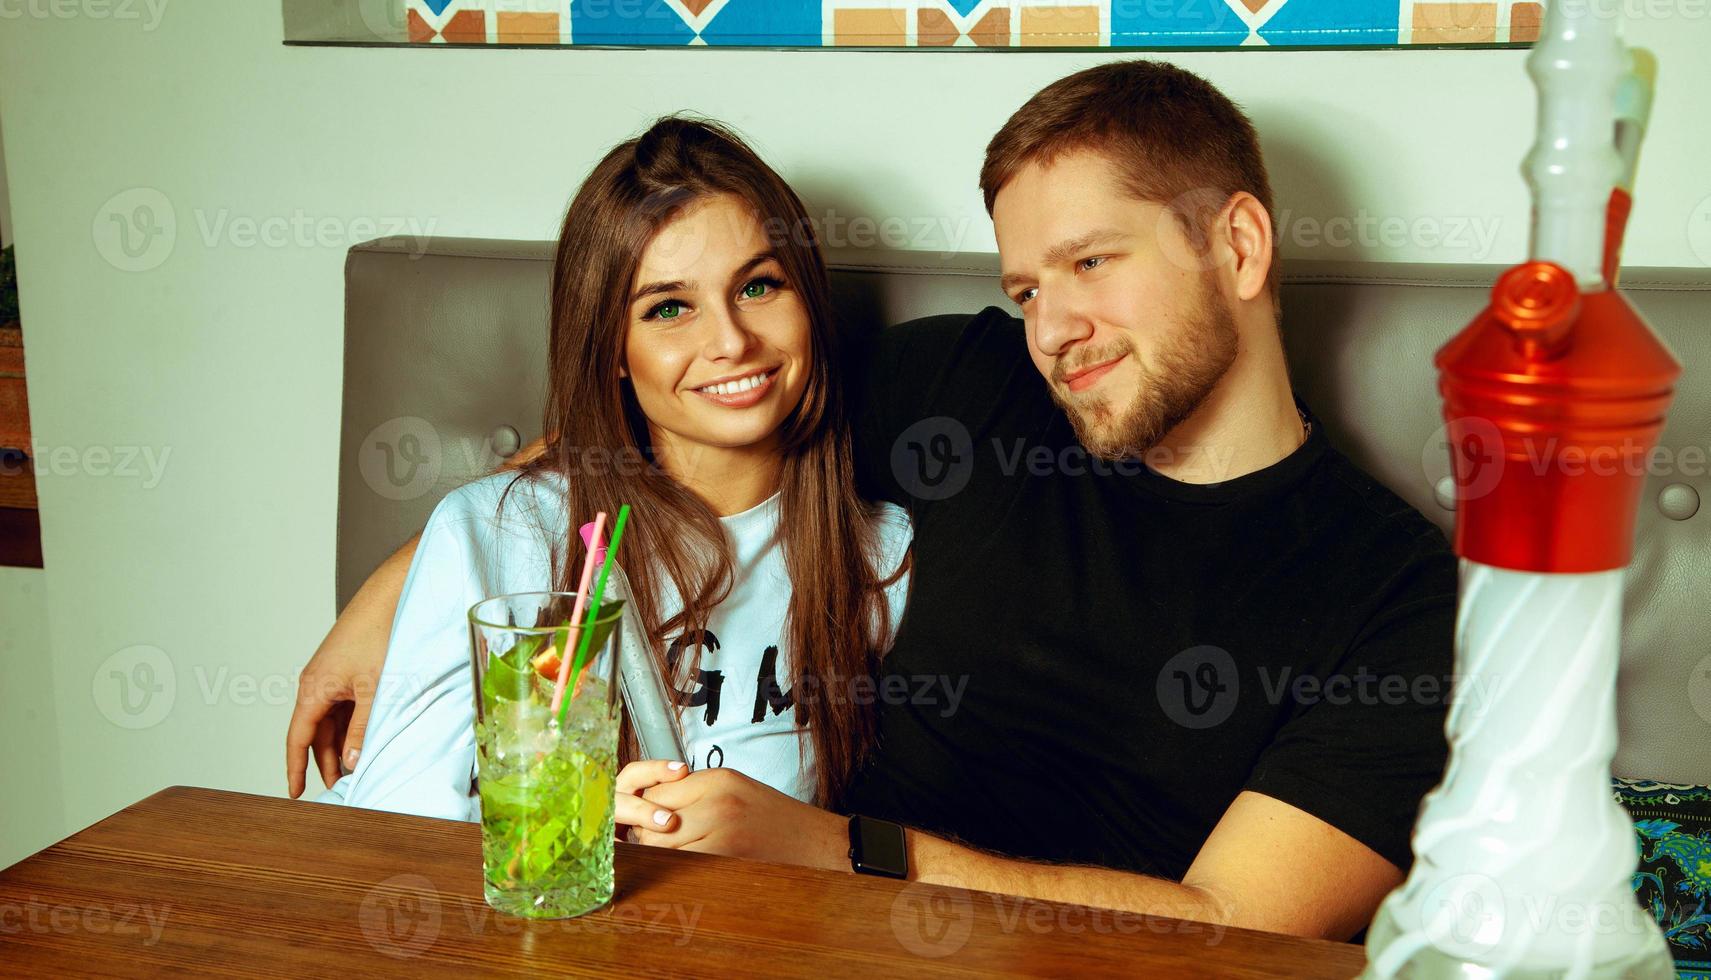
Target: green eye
668 311
756 289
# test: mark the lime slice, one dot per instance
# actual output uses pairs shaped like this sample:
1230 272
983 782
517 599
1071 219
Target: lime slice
597 795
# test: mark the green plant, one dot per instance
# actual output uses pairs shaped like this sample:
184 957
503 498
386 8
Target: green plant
8 288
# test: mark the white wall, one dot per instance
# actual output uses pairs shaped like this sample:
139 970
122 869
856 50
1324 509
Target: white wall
5 207
225 358
30 781
32 812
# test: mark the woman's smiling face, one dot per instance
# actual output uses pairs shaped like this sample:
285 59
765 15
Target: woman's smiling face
719 345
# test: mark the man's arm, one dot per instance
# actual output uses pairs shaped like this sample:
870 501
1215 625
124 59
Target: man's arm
1267 866
344 671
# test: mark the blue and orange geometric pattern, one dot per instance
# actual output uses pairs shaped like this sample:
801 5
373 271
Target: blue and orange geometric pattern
974 23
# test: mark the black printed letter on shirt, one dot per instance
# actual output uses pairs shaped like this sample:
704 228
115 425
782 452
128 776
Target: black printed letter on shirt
707 682
766 687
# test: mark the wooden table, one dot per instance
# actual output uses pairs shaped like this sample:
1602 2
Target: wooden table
209 881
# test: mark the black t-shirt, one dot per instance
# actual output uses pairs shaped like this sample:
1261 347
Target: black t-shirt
1097 659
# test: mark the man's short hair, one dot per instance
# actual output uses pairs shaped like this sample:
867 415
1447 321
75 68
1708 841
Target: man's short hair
1172 136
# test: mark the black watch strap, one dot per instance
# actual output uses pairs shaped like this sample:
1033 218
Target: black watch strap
878 847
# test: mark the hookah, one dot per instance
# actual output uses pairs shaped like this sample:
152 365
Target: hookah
1554 396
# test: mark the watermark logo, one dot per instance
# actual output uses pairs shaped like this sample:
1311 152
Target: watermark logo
387 21
400 917
135 231
147 12
1469 451
400 458
1699 231
1464 916
1699 689
135 687
1198 688
145 922
932 918
934 458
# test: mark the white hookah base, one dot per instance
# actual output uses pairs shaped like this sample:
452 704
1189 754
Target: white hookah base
1523 859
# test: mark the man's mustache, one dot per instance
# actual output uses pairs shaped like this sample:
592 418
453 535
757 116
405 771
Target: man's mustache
1083 359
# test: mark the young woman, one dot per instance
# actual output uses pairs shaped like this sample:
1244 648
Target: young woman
691 376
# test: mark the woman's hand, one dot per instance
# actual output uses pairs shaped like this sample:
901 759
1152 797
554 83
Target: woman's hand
335 691
722 811
631 809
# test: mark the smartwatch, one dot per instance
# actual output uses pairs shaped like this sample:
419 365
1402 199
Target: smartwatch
878 847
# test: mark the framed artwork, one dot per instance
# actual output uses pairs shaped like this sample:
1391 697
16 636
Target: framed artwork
919 24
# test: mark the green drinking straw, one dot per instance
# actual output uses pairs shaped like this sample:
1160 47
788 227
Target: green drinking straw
593 610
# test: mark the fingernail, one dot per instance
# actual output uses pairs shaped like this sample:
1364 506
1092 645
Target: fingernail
351 757
674 766
662 817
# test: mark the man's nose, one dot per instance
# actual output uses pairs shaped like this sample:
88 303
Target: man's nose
1059 324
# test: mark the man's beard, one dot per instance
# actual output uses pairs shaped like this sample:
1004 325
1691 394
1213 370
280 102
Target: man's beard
1190 362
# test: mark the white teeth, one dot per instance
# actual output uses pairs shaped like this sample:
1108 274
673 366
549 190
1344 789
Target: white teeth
739 386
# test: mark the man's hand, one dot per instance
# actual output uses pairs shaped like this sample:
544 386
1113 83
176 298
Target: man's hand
630 809
722 811
335 691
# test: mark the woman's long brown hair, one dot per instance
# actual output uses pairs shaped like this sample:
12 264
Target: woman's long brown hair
598 440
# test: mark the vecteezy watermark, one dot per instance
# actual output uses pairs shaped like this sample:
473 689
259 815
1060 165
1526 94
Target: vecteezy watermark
917 233
143 463
1467 916
1636 10
1474 454
1470 236
148 13
934 917
1699 230
1182 223
135 687
405 457
1699 689
139 686
934 459
400 458
1200 687
123 919
137 230
402 917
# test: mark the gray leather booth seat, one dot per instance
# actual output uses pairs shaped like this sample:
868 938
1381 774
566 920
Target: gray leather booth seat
445 346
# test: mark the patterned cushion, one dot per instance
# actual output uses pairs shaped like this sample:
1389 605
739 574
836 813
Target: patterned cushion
1673 825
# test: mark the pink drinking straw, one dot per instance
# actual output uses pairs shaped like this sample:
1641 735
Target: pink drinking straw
576 615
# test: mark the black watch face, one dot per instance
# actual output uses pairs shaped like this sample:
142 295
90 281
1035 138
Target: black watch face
880 848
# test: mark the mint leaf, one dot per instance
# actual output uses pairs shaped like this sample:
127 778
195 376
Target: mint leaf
510 679
602 630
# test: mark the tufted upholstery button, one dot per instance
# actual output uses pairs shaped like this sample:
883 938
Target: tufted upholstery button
505 440
1445 493
1678 501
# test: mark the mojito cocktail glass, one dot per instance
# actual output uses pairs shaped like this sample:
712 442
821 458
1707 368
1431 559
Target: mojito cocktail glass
546 788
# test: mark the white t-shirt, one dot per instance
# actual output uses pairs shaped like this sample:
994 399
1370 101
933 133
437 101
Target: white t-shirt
418 755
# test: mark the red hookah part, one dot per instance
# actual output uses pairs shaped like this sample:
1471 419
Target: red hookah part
1554 401
1615 224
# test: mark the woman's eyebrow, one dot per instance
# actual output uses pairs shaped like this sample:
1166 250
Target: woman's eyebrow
655 288
757 259
679 285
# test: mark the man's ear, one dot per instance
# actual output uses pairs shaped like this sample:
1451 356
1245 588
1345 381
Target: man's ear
1248 234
